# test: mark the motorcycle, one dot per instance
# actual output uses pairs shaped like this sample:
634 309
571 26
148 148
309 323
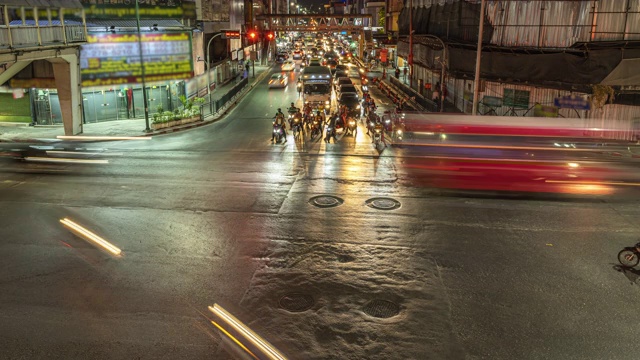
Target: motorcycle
630 256
352 127
315 128
331 132
387 125
296 127
377 136
278 133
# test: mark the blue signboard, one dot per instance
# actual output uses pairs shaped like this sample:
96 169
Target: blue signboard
572 102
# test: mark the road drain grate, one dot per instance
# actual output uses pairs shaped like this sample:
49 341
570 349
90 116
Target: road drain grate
381 309
326 201
296 302
382 203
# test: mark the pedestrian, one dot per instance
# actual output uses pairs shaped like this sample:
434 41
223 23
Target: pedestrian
397 73
247 67
404 72
435 97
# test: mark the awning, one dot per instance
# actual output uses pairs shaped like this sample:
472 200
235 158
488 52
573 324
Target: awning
627 73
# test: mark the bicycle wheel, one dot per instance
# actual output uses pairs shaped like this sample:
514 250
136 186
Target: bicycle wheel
628 258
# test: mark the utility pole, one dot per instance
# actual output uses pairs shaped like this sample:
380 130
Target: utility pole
476 84
411 43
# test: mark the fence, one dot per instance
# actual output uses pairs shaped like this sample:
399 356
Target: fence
418 99
215 106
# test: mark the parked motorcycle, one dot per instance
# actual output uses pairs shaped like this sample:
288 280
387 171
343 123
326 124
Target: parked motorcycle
630 256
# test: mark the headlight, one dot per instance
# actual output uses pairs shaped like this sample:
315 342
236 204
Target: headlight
326 102
358 107
399 132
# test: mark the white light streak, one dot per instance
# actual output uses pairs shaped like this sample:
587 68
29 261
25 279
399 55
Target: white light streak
91 237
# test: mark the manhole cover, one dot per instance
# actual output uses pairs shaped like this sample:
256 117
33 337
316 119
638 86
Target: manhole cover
381 309
383 203
296 302
325 201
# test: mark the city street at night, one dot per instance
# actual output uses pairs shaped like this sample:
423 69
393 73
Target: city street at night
326 250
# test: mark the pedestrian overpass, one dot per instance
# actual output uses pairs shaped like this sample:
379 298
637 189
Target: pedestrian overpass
34 31
351 23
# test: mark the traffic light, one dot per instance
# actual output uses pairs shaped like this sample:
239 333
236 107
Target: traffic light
252 35
270 35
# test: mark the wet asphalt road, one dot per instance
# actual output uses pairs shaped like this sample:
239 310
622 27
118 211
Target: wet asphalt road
219 215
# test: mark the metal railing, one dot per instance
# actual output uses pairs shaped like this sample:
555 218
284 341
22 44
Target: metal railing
220 104
415 96
25 36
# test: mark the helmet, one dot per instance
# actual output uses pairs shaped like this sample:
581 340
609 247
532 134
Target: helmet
279 110
292 105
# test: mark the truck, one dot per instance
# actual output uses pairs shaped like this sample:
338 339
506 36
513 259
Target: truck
316 91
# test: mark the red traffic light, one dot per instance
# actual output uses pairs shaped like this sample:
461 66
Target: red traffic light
270 36
252 35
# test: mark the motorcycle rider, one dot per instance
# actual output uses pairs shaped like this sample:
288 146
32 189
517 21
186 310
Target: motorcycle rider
331 123
378 126
298 115
292 109
279 119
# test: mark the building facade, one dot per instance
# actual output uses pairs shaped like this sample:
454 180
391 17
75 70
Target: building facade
543 50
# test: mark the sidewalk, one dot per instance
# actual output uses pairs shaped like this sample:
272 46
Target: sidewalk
21 132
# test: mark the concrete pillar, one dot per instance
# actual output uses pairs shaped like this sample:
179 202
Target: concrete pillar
66 69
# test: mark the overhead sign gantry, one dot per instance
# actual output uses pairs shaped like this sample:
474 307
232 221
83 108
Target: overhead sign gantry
351 23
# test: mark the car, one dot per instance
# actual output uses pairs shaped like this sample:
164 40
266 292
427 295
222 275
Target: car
343 89
342 67
314 62
339 74
281 57
342 81
278 80
352 102
288 65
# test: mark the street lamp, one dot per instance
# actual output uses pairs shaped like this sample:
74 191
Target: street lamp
443 65
410 57
142 72
207 67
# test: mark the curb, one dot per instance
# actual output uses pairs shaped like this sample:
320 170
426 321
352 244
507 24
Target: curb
220 115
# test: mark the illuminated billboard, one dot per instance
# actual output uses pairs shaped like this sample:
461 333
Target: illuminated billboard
111 59
149 9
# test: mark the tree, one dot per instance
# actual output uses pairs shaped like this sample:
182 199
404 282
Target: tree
382 17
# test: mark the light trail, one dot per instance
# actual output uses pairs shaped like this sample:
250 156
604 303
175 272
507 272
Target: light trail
103 138
91 237
65 160
264 346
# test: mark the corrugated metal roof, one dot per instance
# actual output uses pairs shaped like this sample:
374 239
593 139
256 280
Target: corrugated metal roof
119 23
69 4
